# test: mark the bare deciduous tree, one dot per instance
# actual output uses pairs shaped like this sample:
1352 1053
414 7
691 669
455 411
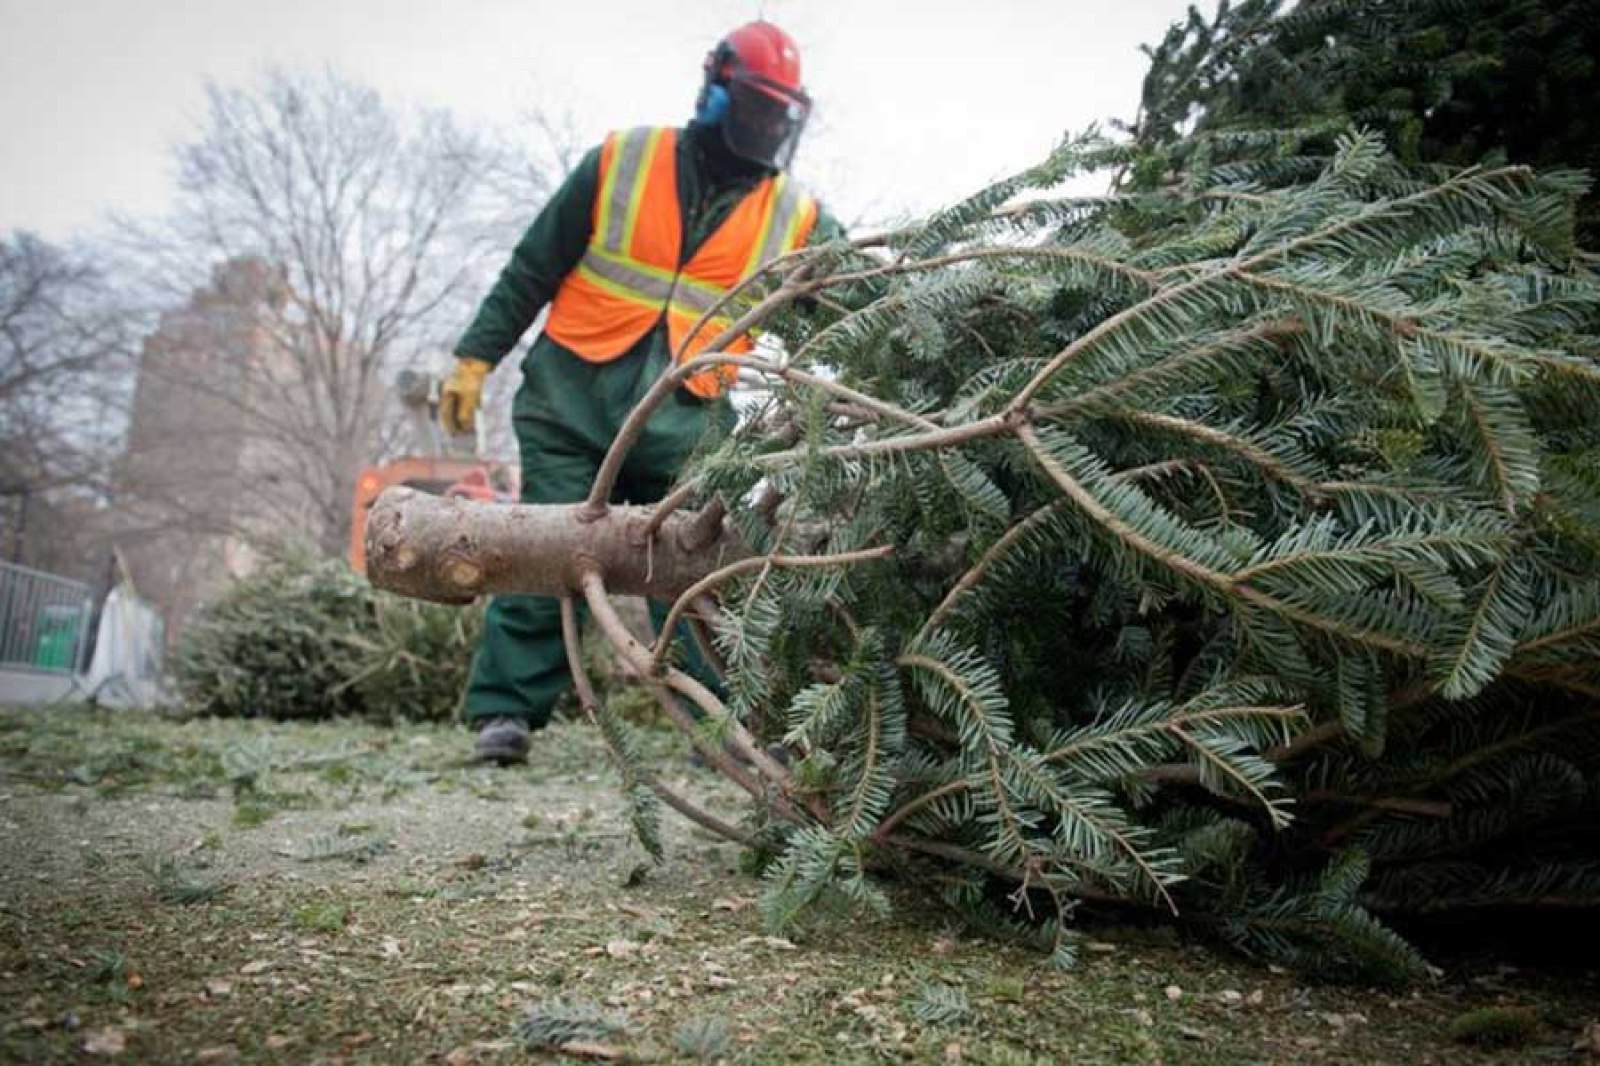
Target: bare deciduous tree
376 229
65 344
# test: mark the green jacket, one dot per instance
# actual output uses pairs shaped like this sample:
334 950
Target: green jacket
556 240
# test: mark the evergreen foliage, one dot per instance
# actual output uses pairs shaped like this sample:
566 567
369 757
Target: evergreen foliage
554 1024
310 638
1242 566
1451 82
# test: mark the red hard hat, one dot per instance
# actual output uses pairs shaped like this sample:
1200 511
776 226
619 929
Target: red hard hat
762 49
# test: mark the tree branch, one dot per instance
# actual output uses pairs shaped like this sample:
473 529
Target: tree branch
590 704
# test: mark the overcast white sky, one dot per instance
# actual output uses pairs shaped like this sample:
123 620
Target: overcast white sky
918 103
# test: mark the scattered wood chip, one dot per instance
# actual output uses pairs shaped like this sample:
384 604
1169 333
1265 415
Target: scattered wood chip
621 949
224 1053
255 967
1173 993
107 1041
779 942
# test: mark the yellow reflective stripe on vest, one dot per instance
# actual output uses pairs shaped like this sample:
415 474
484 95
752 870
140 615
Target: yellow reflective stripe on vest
797 215
636 195
779 228
623 189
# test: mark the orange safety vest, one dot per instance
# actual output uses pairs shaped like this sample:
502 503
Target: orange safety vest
630 275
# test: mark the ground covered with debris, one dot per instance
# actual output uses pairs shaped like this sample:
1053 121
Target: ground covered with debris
213 891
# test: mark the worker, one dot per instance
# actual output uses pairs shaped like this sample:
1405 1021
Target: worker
652 226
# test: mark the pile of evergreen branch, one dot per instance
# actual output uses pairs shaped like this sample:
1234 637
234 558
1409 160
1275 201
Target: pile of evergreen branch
309 638
1244 566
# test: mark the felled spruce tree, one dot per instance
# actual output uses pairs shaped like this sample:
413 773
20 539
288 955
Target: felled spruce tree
1230 549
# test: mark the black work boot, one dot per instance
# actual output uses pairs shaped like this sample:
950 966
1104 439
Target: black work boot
501 740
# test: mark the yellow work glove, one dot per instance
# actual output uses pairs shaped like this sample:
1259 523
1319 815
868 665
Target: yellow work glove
462 392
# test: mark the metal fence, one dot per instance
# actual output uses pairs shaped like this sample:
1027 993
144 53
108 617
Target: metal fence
44 621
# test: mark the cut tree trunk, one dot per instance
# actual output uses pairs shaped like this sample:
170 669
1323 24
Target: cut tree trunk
455 550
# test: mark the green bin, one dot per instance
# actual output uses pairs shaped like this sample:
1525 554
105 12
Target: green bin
58 638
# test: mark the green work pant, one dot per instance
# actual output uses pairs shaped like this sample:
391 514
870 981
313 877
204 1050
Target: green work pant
566 414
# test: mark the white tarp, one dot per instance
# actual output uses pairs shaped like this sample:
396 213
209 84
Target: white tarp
126 669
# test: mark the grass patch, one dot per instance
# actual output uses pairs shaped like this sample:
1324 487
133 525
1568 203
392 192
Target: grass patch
338 774
704 1038
324 917
107 966
110 976
247 814
1497 1028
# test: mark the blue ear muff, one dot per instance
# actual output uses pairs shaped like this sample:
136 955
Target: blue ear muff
713 105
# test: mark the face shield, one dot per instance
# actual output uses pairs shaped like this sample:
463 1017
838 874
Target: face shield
764 121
